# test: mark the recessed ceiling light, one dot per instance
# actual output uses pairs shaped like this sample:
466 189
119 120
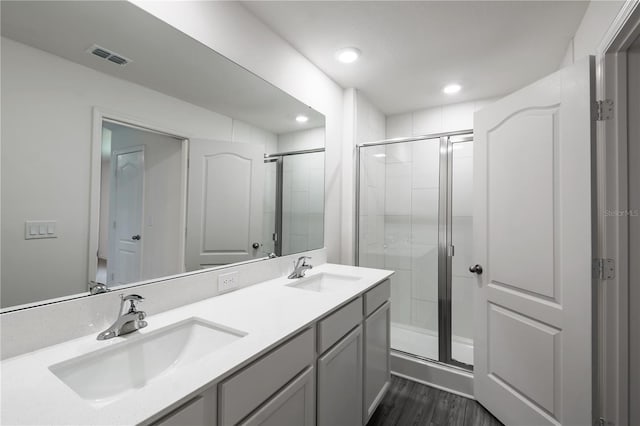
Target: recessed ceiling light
379 155
348 55
302 118
450 89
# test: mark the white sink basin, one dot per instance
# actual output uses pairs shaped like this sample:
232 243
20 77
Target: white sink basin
105 375
324 282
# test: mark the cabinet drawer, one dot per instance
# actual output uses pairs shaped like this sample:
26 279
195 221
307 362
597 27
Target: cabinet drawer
339 323
249 388
376 297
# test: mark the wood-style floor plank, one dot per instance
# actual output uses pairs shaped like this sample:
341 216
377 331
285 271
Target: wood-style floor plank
409 403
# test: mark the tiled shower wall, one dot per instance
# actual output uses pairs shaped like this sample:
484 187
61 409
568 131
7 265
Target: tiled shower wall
303 193
399 225
411 230
399 216
462 281
372 201
302 202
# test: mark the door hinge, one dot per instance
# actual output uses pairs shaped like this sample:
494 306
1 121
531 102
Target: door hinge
604 269
604 110
451 251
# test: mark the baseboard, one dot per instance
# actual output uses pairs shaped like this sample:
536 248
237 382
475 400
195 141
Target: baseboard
437 375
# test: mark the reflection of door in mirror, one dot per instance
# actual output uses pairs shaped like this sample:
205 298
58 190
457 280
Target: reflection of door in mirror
141 202
225 203
125 215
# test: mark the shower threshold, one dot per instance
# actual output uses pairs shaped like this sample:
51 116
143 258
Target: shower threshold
424 343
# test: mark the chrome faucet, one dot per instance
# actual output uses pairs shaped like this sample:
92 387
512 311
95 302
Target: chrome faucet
127 322
97 288
300 267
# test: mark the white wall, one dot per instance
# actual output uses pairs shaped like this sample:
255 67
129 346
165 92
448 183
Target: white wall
47 105
231 30
248 133
596 21
363 123
301 139
447 118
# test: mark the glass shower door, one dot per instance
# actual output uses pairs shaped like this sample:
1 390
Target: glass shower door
414 207
302 202
461 225
398 230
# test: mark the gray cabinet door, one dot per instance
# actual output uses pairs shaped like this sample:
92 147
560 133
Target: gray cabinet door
340 382
249 388
294 405
376 359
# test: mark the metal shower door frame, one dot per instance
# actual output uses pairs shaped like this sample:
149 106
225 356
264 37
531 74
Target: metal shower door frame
278 158
445 247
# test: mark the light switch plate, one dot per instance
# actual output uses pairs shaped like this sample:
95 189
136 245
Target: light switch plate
228 281
38 229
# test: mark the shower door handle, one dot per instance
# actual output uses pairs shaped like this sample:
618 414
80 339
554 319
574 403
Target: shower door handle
475 269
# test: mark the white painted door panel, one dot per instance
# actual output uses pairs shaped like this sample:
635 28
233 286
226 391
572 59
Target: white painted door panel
532 235
126 211
224 211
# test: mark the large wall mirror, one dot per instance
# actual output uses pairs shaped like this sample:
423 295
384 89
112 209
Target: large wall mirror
131 152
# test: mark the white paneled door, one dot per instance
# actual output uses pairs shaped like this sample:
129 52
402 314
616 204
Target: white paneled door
533 239
225 203
126 210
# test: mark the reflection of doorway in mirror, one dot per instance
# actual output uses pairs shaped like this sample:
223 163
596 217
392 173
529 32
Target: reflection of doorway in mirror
124 264
142 205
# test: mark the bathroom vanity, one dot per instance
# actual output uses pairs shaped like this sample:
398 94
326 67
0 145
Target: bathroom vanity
308 351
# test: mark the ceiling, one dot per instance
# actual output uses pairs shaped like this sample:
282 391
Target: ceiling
163 58
412 49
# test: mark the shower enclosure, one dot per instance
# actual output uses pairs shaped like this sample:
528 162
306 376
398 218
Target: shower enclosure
293 202
414 216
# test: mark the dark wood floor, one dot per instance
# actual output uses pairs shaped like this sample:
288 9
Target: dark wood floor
412 404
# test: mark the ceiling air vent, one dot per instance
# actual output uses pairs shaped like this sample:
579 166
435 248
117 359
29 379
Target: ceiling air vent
118 60
108 55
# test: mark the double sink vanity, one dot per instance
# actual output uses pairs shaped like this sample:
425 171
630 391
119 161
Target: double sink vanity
302 351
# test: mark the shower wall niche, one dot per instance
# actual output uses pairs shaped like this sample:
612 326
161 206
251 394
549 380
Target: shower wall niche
414 217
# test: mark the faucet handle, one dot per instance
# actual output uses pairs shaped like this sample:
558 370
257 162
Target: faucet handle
303 259
132 299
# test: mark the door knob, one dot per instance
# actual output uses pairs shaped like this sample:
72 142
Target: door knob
136 237
475 269
256 246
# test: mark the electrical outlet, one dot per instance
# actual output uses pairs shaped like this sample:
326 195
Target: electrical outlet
228 281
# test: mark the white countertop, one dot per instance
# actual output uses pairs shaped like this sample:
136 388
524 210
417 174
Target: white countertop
269 312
